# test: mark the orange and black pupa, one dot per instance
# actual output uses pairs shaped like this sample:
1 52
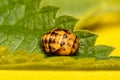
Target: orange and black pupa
59 42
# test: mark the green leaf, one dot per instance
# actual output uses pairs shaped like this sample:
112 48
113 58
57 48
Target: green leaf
86 46
100 51
31 6
10 13
86 39
66 22
20 39
42 20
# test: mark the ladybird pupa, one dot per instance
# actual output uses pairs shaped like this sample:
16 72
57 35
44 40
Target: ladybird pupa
59 42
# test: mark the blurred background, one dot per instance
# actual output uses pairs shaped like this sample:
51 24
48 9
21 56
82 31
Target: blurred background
99 16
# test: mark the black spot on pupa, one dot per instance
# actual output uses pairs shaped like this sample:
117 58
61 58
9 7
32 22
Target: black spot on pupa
58 29
50 47
48 33
68 44
70 38
53 48
67 31
46 41
65 36
74 42
62 43
54 33
57 51
50 40
53 40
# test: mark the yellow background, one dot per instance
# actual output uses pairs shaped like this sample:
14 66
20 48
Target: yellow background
109 32
59 75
